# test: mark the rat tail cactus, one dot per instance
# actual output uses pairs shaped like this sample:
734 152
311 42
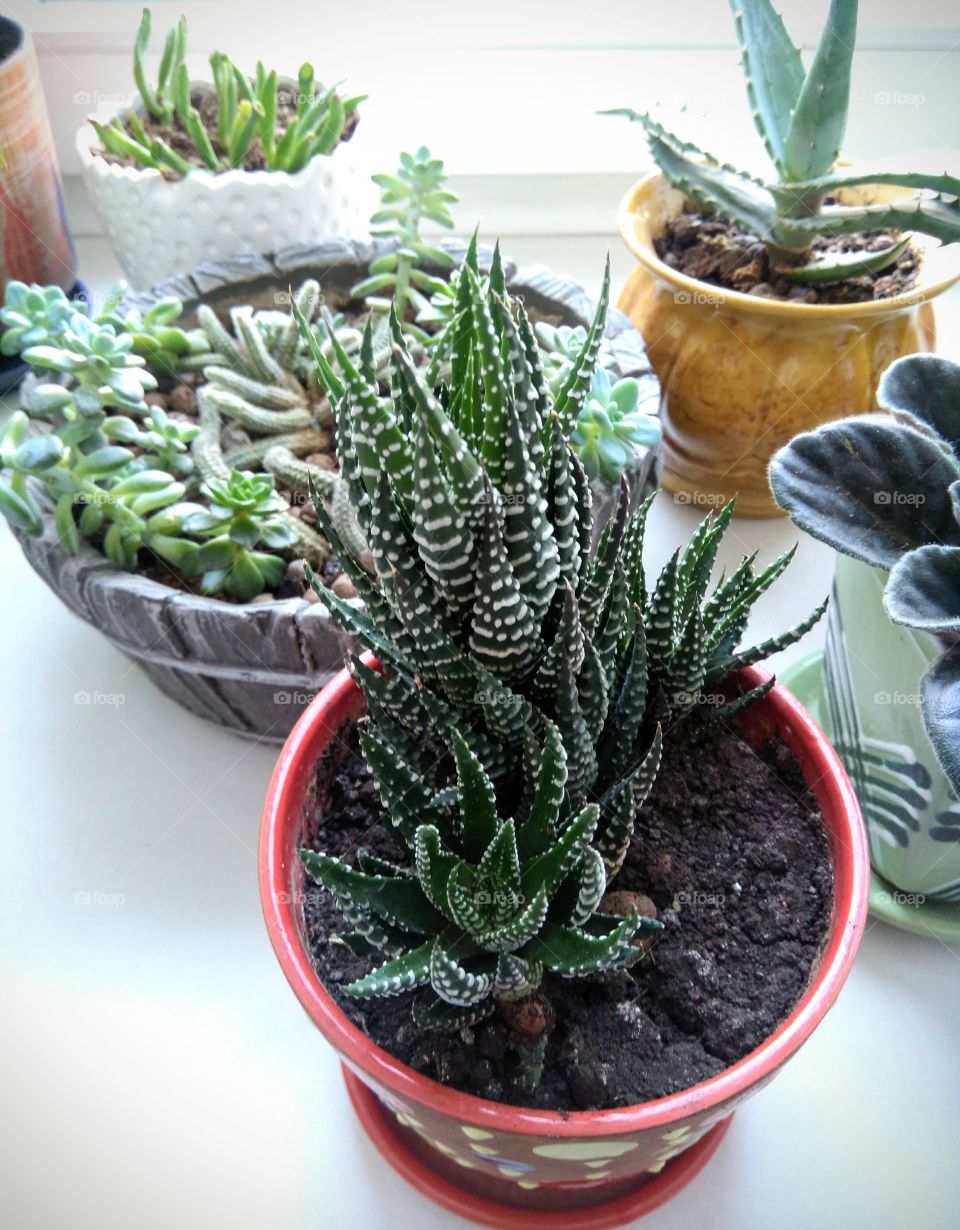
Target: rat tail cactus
516 727
801 115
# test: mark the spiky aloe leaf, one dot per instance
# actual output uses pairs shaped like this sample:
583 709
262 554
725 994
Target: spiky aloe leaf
837 267
403 973
563 510
496 383
447 1019
617 822
462 467
467 901
398 900
565 653
698 557
727 712
455 984
819 118
603 566
722 189
375 434
773 69
358 622
593 692
577 737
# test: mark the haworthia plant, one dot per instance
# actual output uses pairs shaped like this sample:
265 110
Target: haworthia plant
246 115
516 726
801 115
886 490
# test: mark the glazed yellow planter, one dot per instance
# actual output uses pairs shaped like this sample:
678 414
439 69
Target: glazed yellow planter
741 375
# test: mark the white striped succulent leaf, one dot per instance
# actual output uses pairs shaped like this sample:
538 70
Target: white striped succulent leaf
516 730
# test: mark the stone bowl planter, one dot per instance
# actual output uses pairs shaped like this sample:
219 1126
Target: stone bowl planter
254 668
158 227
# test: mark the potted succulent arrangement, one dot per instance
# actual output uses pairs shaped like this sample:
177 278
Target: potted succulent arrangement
560 772
883 490
35 241
167 500
770 307
195 171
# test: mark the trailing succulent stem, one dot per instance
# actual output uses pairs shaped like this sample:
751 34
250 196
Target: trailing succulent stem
248 114
415 194
801 115
526 684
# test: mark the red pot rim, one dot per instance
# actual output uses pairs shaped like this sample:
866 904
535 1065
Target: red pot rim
825 775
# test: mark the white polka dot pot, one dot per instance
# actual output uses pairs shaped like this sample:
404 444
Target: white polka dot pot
159 227
507 1166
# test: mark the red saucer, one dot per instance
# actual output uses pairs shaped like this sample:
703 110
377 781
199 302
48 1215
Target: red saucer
649 1195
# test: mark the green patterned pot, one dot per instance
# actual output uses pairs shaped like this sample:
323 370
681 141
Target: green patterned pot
872 672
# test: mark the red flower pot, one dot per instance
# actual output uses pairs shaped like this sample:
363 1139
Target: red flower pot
507 1166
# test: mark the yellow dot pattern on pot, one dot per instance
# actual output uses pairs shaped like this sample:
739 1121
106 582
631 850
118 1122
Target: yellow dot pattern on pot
586 1150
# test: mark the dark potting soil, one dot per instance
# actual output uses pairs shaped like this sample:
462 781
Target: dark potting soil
731 848
205 101
714 251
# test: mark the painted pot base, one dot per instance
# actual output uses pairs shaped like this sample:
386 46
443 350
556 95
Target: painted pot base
401 1151
934 919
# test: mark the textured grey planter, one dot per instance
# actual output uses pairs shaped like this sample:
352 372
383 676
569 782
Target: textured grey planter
254 668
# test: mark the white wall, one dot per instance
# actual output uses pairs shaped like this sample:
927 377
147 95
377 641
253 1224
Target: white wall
509 88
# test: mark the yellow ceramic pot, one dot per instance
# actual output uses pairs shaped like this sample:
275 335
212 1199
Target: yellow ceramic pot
741 375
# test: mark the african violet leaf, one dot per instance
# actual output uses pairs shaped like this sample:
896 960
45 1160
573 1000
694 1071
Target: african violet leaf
870 487
923 590
941 712
923 391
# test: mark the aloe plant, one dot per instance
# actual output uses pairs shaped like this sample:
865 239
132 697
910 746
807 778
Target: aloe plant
801 115
516 725
885 488
247 113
